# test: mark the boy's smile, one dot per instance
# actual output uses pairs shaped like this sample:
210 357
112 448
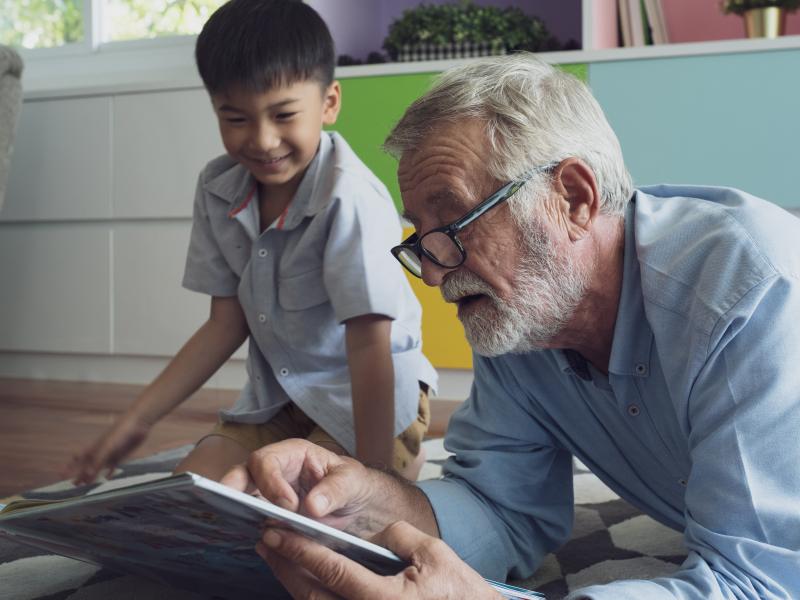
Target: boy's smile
275 134
265 165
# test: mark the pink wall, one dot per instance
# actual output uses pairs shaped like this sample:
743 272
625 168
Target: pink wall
701 20
605 24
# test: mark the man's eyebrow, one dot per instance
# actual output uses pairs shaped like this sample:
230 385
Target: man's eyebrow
443 197
407 215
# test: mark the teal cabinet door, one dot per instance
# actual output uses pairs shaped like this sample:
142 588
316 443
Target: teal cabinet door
724 120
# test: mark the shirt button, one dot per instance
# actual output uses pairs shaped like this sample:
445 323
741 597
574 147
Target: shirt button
284 372
262 253
633 410
641 368
262 318
683 482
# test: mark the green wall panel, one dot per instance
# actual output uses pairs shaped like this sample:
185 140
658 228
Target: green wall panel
370 108
727 119
580 70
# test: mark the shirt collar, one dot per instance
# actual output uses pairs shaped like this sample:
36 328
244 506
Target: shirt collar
306 201
633 338
234 186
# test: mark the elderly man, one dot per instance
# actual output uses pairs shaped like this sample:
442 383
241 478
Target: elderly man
651 333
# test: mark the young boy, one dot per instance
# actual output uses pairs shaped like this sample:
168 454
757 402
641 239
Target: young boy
291 239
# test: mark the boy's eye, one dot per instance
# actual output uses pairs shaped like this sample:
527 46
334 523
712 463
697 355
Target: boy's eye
235 120
285 116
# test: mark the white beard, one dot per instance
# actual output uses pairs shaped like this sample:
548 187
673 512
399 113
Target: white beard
547 290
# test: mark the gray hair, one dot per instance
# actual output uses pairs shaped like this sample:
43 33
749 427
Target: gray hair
534 114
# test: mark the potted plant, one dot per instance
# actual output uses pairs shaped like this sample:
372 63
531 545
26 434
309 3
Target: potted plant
463 29
762 18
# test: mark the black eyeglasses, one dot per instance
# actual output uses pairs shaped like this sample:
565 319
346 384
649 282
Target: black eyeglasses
440 245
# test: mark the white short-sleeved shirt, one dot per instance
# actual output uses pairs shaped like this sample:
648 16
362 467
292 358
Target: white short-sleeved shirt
325 260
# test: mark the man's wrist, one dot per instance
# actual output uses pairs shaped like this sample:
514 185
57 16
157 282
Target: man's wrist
393 498
376 512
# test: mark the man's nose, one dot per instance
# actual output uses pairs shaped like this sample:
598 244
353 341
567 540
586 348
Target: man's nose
433 274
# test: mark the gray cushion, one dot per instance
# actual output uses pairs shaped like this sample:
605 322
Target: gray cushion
10 106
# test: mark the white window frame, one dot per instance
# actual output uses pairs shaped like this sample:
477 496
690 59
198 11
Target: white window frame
92 65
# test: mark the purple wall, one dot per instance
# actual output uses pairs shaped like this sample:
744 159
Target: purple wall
359 26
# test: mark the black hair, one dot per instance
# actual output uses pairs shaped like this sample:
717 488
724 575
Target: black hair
260 44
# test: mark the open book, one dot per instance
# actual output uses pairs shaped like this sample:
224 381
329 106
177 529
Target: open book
186 531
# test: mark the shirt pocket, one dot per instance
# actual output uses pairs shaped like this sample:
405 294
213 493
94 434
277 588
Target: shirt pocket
303 291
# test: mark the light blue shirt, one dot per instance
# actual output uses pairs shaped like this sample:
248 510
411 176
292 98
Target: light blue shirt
697 423
325 260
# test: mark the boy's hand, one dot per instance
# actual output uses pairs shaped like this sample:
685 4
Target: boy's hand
106 453
308 569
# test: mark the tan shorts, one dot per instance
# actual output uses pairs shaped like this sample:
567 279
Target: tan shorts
291 422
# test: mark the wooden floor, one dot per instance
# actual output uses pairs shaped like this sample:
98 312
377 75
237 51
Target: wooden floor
42 423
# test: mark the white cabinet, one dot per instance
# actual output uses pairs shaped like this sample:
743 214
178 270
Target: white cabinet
55 291
153 314
94 233
161 141
61 165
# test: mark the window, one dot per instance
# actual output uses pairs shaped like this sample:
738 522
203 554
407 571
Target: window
137 19
41 23
51 23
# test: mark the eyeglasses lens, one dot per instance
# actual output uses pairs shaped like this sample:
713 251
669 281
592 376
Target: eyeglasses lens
410 261
443 248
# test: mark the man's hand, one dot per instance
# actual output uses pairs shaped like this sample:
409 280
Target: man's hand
308 569
308 479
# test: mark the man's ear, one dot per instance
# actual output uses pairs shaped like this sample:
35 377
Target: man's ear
579 201
331 103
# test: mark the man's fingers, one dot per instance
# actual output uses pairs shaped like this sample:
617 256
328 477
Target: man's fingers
238 478
403 539
298 582
283 470
436 569
270 479
416 547
334 571
329 495
287 457
339 493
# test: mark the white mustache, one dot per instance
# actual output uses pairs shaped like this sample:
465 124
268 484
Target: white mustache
459 284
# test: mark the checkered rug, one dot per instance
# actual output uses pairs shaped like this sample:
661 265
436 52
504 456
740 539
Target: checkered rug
610 541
